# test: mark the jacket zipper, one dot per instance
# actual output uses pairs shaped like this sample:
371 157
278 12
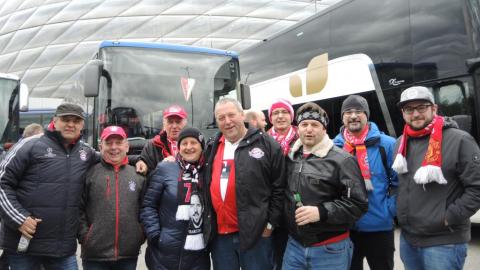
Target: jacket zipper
117 217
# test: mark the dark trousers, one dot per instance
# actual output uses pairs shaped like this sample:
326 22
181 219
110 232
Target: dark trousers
280 238
377 247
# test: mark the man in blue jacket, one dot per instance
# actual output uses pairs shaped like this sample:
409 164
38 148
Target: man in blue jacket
41 183
372 235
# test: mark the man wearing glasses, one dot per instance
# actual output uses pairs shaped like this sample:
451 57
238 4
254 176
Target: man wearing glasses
374 152
438 167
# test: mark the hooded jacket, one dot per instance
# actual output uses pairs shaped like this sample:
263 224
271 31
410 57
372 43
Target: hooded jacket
423 211
381 206
109 221
330 179
41 178
259 185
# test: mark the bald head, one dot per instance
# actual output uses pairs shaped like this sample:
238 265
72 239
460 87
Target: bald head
256 119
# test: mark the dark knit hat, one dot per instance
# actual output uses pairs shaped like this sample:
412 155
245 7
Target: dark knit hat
191 132
356 102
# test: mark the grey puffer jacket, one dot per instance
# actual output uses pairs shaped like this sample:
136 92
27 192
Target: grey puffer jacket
109 218
423 209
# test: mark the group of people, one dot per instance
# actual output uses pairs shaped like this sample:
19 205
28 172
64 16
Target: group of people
289 198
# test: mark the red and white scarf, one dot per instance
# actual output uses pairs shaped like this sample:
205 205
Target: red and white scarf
285 140
356 146
431 170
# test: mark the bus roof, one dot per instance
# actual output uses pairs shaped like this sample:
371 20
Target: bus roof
9 76
167 46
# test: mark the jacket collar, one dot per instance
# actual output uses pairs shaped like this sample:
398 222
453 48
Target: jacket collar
319 150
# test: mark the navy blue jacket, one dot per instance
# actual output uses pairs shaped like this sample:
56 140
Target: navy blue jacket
166 236
381 206
40 178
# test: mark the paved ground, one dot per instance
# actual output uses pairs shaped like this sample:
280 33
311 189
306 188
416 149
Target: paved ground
472 262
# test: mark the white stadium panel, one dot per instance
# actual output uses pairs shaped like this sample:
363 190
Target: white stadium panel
47 42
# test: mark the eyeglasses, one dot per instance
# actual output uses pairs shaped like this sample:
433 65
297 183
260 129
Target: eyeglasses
420 108
351 112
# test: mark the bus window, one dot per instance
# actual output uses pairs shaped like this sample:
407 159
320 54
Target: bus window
452 100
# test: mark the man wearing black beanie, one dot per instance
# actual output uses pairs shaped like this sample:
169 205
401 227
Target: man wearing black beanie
374 153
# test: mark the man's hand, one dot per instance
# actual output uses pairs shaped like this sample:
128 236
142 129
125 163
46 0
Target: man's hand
29 227
141 167
169 159
307 214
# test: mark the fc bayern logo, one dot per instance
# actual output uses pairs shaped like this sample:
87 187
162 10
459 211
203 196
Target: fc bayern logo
256 153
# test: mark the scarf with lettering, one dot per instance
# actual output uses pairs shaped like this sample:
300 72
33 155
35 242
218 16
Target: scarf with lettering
431 170
188 209
285 140
356 146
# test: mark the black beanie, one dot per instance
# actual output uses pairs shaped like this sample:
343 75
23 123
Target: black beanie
357 103
191 132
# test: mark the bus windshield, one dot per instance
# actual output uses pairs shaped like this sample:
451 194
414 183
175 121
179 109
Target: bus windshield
145 81
8 118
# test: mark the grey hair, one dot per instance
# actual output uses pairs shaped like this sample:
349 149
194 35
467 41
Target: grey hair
229 100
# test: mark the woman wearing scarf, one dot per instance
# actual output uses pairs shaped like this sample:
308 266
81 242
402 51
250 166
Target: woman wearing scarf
172 211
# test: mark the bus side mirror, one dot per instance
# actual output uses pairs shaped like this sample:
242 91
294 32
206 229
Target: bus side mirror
245 98
23 103
93 72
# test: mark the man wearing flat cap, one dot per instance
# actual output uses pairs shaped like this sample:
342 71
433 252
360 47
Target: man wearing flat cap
373 151
438 167
41 182
325 195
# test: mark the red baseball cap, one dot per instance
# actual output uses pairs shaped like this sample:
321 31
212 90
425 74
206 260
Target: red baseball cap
175 110
113 130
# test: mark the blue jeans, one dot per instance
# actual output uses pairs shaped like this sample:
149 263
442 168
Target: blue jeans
30 262
331 256
226 254
442 257
125 264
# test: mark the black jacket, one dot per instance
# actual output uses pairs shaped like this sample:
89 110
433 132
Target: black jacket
331 180
153 153
423 209
166 235
259 184
40 178
109 216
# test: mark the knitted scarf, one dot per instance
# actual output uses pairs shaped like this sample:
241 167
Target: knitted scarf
189 208
431 170
285 140
356 146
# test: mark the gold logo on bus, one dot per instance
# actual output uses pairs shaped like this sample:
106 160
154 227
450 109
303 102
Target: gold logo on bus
316 77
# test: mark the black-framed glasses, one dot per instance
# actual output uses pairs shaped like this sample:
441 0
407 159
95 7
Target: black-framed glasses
419 108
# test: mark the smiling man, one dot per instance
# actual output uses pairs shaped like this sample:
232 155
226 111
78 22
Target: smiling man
42 179
374 153
438 168
110 232
325 195
245 175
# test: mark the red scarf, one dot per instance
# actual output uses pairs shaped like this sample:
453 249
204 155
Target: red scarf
157 141
284 140
356 146
430 171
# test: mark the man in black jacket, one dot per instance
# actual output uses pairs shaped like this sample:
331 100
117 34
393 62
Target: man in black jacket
41 182
245 176
164 145
325 195
438 167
